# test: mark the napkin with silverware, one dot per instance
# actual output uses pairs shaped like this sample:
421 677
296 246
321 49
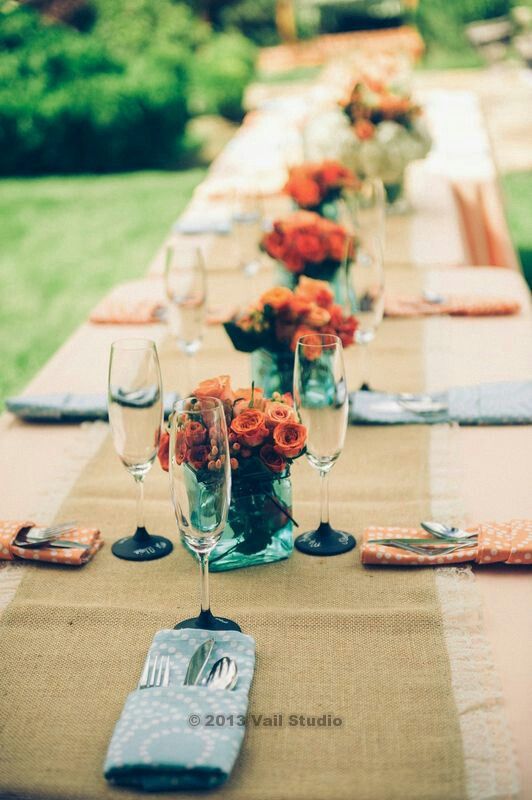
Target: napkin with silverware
506 403
88 539
177 736
451 305
196 225
488 543
139 302
69 407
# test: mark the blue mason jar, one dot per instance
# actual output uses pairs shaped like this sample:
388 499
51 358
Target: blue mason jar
259 523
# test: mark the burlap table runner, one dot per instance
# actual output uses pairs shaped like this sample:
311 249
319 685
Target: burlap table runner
363 645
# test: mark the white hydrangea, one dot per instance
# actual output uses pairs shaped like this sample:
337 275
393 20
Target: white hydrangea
386 155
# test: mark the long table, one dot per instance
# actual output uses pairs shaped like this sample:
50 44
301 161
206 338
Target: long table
482 475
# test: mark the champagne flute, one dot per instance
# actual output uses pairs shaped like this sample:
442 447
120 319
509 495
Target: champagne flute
247 220
321 399
364 209
365 287
135 416
186 289
200 481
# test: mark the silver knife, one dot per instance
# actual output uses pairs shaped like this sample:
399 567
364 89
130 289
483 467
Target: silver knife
198 662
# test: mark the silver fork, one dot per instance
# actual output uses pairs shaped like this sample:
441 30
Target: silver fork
428 550
156 672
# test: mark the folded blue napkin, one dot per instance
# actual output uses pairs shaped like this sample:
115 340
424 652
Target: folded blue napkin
193 226
183 737
67 407
508 403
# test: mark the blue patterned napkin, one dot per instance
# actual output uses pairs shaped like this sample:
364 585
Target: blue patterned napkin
508 403
67 407
380 408
492 404
183 737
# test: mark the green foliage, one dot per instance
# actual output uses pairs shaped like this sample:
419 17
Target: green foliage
442 21
222 68
517 190
64 242
254 18
117 97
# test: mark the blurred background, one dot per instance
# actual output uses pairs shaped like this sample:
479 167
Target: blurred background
111 111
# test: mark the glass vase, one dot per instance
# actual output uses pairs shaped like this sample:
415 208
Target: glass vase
328 209
273 371
259 523
396 201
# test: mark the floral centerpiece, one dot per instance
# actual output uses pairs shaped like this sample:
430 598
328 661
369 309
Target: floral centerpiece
318 187
271 327
265 437
304 243
388 131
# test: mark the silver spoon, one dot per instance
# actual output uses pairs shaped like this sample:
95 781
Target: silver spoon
435 298
446 531
223 675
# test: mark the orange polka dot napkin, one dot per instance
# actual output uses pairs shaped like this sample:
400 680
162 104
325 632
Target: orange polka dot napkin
497 542
454 306
73 556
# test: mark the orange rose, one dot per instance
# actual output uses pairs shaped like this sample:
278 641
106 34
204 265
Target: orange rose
278 297
305 192
364 129
198 456
250 427
216 387
277 412
243 399
274 244
293 260
313 346
316 317
164 448
290 439
195 433
333 174
310 245
272 459
337 241
314 291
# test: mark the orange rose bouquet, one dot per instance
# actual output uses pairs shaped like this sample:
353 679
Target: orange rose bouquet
270 328
306 243
263 432
316 187
265 437
371 101
282 315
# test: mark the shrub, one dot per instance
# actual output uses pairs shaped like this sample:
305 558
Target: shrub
254 18
219 74
443 21
116 97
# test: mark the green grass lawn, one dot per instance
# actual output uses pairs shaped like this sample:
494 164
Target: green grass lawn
517 191
63 243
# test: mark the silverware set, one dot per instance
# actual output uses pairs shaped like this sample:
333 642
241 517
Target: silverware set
447 539
421 404
223 674
37 537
